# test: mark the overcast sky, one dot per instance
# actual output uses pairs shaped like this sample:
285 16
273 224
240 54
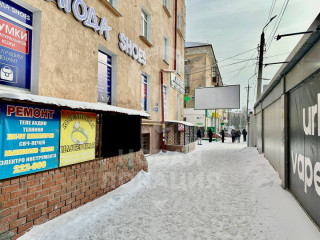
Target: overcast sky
235 26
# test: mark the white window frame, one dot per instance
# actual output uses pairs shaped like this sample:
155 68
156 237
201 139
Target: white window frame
148 97
113 3
179 63
145 18
166 49
166 3
179 22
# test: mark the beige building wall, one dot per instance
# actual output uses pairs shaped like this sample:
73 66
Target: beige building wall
69 52
200 62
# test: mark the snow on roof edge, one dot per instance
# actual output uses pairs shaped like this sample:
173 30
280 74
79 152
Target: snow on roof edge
182 122
77 105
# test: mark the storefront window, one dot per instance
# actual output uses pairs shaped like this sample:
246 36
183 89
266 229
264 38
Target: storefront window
16 50
144 93
104 78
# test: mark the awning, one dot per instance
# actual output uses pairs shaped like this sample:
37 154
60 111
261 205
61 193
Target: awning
65 103
181 122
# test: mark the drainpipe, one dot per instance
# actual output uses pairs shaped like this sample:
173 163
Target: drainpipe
162 106
175 34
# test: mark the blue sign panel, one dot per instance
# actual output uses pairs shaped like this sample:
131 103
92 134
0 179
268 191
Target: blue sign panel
104 78
14 10
30 139
15 46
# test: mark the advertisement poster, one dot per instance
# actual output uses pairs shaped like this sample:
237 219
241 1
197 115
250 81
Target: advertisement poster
30 139
304 142
15 45
78 137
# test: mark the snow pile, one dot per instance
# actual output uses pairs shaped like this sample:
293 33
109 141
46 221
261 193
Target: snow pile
219 191
75 105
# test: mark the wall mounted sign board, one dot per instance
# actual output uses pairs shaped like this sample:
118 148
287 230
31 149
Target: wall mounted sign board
130 48
86 15
177 83
30 139
15 45
78 137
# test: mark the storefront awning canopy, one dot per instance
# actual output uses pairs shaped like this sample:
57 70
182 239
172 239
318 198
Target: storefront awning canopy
181 122
65 103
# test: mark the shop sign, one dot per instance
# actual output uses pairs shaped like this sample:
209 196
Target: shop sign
78 135
15 45
304 142
156 107
180 127
84 14
130 48
214 115
30 139
176 83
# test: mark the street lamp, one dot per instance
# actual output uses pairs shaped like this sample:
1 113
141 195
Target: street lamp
297 33
261 59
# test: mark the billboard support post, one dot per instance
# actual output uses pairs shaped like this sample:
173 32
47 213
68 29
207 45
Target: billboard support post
215 124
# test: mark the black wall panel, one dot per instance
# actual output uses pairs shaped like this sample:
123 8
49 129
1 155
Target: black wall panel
304 144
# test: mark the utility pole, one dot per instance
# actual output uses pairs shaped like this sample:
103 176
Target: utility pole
247 102
261 49
262 42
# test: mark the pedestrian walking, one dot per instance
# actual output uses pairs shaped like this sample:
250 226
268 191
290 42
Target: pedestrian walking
222 135
233 135
238 134
199 135
244 133
210 135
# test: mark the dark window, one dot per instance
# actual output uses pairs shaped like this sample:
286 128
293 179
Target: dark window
145 142
121 134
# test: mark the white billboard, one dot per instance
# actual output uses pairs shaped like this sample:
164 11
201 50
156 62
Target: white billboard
227 97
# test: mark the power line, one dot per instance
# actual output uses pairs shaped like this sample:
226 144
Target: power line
275 23
227 58
243 67
237 55
238 62
271 10
284 9
277 55
227 72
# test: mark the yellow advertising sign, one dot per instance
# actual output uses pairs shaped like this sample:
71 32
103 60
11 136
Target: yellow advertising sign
77 137
214 115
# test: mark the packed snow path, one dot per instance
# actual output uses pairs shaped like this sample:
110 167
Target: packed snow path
219 191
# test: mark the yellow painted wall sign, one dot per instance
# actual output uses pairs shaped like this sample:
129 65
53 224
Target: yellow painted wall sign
77 137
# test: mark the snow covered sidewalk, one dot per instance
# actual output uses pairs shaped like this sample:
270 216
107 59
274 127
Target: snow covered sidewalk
219 191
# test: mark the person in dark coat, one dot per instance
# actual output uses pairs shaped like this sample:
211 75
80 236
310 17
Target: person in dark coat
199 135
233 135
238 134
222 135
210 135
244 133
